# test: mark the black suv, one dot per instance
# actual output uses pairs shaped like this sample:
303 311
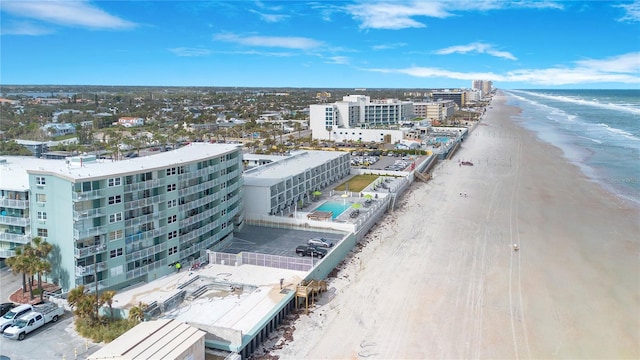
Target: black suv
306 250
5 307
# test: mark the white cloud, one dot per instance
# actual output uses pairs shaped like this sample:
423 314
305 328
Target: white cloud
187 52
73 13
389 46
337 60
632 11
388 15
270 18
618 69
477 47
24 28
626 63
293 42
401 14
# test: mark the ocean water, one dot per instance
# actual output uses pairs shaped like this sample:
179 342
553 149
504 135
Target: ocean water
598 130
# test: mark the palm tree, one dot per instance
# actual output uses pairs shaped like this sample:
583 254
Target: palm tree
41 267
18 266
136 313
107 298
75 295
37 253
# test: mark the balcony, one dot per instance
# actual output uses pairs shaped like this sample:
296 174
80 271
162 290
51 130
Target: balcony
88 214
134 204
90 250
144 253
14 220
91 269
14 204
93 231
16 238
7 253
144 185
199 217
146 269
88 195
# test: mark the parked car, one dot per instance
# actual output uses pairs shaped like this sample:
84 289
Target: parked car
306 250
33 320
321 242
14 314
5 307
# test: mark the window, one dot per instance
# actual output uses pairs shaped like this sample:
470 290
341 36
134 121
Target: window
115 217
117 270
41 198
40 180
172 234
115 199
171 171
173 250
42 216
43 232
171 187
115 235
172 203
223 212
172 219
115 253
114 182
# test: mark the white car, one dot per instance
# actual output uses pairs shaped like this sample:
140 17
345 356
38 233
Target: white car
321 242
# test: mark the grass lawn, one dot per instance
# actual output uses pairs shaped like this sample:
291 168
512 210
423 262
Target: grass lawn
357 183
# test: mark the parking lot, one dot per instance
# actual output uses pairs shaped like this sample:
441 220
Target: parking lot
53 341
274 241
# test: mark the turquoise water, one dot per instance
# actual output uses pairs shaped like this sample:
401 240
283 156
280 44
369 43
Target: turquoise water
336 207
598 130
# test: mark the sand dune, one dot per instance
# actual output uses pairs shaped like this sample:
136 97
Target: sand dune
438 278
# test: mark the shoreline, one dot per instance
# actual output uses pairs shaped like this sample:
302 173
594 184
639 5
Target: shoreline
438 278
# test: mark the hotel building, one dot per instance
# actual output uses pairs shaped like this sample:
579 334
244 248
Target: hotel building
361 113
282 184
126 222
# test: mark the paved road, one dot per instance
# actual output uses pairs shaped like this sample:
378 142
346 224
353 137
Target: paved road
8 283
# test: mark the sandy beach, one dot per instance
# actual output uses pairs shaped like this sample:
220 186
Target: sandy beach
438 277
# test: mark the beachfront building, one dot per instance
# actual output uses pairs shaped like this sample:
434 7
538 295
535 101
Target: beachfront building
15 224
435 111
286 184
458 97
358 118
121 223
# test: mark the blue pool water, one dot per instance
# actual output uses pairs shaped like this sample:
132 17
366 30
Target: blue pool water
336 207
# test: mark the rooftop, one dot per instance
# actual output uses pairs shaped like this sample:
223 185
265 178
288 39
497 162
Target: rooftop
14 172
298 162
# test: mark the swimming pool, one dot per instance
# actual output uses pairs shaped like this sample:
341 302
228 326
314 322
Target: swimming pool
336 208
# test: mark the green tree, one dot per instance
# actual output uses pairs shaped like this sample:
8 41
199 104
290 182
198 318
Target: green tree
107 298
37 255
18 265
136 313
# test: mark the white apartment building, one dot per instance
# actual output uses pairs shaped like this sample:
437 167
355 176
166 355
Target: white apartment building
359 118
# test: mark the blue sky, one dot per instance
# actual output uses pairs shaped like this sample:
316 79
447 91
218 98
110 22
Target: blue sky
346 44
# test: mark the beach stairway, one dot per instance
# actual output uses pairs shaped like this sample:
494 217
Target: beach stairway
421 176
309 289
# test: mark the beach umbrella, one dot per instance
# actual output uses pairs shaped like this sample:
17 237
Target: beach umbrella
368 196
344 197
316 193
356 205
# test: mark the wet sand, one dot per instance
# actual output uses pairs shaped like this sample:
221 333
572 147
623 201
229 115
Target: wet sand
438 278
